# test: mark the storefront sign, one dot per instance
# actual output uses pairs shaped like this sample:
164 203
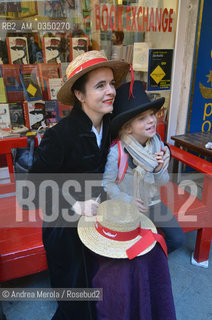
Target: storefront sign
159 71
132 18
201 104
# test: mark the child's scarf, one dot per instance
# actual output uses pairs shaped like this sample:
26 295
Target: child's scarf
144 159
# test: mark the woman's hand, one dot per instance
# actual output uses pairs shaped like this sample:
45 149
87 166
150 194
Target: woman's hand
86 208
160 161
140 205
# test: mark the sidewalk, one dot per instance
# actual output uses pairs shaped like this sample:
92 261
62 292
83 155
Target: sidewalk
192 289
192 286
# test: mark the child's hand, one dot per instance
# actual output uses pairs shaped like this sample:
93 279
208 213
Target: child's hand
160 160
140 205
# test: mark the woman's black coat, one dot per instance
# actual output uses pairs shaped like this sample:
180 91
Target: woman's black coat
70 147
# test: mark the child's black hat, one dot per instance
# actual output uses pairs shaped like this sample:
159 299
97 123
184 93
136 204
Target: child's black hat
126 108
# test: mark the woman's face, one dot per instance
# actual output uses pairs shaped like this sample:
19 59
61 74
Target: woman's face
99 93
143 126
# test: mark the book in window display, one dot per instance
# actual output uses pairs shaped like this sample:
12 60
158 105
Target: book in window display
1 58
12 6
17 50
70 4
48 71
51 112
64 110
18 9
34 114
3 52
3 97
30 82
28 9
159 70
52 9
87 20
117 52
64 47
78 46
54 86
64 66
12 82
16 114
35 52
52 49
10 9
129 54
86 5
141 56
4 116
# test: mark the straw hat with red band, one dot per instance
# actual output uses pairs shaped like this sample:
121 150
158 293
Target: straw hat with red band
119 231
84 63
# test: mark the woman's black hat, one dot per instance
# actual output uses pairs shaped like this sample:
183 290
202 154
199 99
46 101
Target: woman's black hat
125 108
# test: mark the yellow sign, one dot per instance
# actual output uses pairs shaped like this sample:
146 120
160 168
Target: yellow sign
32 90
157 74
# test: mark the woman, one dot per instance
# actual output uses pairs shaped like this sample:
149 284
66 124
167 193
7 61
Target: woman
135 282
77 144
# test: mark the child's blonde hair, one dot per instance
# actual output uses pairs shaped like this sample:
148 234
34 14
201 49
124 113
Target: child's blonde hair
126 126
123 130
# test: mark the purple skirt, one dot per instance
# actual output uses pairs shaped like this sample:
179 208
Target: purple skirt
138 289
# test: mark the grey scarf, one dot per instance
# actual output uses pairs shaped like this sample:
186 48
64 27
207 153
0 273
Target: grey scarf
144 159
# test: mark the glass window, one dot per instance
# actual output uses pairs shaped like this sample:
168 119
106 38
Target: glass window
35 34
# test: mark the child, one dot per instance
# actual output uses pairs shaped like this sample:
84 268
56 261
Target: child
137 163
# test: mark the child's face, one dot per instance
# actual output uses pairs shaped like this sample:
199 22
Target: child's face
143 126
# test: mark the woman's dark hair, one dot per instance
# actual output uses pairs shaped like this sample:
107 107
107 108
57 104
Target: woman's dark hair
79 85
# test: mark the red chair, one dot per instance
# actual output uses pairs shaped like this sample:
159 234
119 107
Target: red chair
192 213
161 130
21 248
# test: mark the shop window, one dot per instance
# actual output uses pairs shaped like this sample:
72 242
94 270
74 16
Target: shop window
39 38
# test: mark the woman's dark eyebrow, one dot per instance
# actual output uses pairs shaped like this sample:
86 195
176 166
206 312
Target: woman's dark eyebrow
103 82
100 82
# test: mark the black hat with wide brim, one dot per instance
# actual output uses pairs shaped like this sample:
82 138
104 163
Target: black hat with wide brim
125 108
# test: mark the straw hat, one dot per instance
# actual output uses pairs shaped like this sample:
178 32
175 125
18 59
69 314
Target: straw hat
115 219
84 63
125 108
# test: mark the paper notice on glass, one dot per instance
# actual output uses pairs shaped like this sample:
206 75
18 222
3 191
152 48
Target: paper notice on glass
141 56
208 145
